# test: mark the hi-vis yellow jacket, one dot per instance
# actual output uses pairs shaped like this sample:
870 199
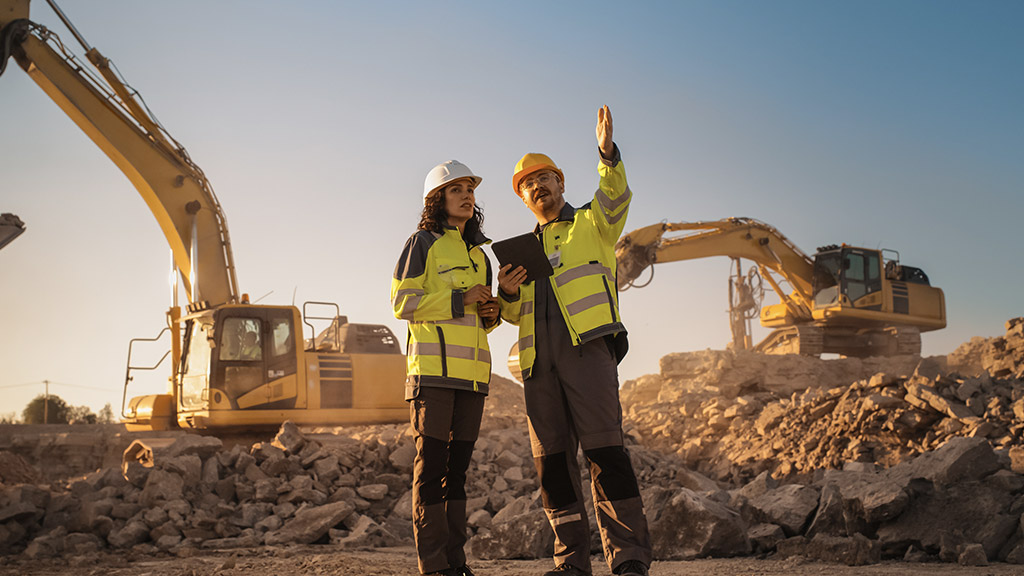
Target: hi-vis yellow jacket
447 343
581 247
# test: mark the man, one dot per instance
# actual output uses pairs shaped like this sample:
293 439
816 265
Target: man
570 341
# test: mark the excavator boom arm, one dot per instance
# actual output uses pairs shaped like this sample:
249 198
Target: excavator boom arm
733 237
174 188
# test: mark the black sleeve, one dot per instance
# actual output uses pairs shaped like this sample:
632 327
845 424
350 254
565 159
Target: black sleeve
413 261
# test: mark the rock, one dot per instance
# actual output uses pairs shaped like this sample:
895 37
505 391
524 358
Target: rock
327 469
168 542
79 543
365 532
964 508
686 525
1017 456
856 550
830 517
269 524
289 438
211 471
520 530
958 459
788 506
402 458
403 506
868 497
373 492
765 537
973 555
48 545
188 466
479 518
18 512
310 524
240 541
161 486
134 532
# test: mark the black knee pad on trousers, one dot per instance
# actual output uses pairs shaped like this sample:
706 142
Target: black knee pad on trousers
432 466
460 452
555 483
612 473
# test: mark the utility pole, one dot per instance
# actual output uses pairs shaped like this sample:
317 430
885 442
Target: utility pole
46 403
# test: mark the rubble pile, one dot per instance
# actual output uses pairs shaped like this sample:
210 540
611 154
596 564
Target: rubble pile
732 416
15 470
346 486
1001 357
846 460
61 451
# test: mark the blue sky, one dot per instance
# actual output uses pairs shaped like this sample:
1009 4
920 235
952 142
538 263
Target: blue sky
880 124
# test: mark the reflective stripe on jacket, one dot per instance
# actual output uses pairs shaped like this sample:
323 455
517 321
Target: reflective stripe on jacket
580 244
447 343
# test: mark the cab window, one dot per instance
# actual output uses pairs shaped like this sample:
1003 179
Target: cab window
199 336
281 331
241 340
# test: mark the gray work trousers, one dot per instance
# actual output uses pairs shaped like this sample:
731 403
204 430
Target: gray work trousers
572 399
447 424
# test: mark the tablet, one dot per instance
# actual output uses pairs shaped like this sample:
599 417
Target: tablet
524 250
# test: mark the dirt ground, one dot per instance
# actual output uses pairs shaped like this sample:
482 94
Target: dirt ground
315 561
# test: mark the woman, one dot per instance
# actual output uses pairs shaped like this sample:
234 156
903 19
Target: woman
442 287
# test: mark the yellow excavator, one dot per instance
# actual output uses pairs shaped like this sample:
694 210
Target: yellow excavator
236 366
846 300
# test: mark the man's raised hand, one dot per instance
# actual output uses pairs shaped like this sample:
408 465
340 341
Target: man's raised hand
604 132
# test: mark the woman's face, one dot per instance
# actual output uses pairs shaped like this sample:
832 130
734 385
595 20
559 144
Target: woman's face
459 201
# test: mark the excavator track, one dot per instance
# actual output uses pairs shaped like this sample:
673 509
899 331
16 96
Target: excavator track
806 340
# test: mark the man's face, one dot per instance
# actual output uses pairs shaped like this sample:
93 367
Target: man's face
542 193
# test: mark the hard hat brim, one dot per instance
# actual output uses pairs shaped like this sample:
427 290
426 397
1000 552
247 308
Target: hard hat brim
476 182
518 176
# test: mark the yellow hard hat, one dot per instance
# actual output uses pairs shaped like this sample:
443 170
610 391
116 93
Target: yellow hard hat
531 163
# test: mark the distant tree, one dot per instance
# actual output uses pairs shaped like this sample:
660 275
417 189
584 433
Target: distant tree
106 415
81 415
9 418
56 410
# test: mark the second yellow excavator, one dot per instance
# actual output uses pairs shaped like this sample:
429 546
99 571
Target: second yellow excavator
846 300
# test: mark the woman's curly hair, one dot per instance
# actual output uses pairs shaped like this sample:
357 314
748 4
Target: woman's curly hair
434 217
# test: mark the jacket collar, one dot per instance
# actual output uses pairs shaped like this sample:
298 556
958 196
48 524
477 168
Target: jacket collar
567 214
477 238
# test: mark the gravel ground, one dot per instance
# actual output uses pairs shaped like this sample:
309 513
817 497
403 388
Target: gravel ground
323 561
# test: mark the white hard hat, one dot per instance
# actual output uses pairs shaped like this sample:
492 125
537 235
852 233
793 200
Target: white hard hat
445 173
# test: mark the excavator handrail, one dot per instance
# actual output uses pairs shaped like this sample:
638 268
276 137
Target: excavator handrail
128 365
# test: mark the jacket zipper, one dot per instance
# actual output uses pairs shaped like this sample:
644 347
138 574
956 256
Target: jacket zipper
444 355
608 292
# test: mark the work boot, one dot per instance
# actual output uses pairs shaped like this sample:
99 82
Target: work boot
566 570
631 568
462 571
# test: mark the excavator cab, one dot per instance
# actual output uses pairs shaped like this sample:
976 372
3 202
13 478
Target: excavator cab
240 357
847 277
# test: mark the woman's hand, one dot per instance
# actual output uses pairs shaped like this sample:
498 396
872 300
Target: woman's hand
510 280
476 295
